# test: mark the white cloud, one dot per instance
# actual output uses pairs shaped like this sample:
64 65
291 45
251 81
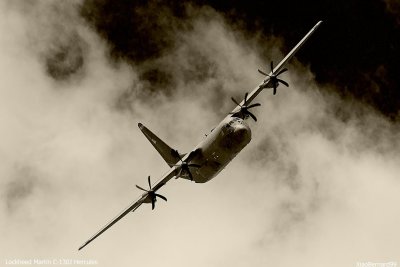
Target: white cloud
309 190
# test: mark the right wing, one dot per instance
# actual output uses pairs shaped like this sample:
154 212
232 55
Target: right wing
168 176
267 83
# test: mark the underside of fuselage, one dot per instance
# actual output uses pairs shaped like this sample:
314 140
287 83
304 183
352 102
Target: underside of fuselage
213 153
219 148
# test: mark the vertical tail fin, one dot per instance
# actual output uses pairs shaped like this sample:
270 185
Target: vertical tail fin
162 148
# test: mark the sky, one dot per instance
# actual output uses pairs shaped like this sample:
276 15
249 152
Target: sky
317 185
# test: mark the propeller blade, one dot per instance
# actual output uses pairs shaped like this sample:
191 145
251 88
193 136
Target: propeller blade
263 73
161 196
176 154
151 194
190 175
251 115
254 105
282 71
179 173
283 82
142 189
274 77
194 166
242 113
148 179
234 100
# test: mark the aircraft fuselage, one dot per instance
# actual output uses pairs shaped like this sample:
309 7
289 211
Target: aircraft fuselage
219 147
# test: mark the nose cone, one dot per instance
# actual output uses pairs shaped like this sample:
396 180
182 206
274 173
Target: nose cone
235 138
242 134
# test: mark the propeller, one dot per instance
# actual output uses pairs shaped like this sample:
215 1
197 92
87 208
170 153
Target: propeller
151 194
184 166
274 77
244 109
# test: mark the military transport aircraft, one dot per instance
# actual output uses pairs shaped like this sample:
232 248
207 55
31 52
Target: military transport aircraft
216 150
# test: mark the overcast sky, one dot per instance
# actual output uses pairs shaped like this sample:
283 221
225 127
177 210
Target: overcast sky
317 186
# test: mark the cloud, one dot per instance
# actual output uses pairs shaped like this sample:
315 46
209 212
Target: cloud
20 188
393 7
317 184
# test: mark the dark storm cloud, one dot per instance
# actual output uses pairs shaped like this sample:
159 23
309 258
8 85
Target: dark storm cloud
136 30
393 7
145 33
357 39
192 64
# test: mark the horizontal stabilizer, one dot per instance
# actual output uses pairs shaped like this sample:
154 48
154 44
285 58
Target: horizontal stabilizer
162 148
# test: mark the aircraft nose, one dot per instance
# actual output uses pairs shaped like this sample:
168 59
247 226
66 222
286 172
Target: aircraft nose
241 133
240 129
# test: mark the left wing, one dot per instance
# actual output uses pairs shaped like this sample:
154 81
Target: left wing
144 198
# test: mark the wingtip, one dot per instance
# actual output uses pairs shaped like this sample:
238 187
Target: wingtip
318 24
140 126
84 245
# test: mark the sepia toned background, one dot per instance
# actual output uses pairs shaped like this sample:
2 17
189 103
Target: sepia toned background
317 186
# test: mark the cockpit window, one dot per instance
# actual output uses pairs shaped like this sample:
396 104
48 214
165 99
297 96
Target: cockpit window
235 120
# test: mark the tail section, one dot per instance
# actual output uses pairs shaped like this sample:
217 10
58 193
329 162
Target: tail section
162 148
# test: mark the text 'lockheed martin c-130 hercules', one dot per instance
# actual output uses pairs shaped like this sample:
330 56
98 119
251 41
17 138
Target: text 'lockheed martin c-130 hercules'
216 150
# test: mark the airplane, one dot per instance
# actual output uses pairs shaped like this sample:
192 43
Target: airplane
215 151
